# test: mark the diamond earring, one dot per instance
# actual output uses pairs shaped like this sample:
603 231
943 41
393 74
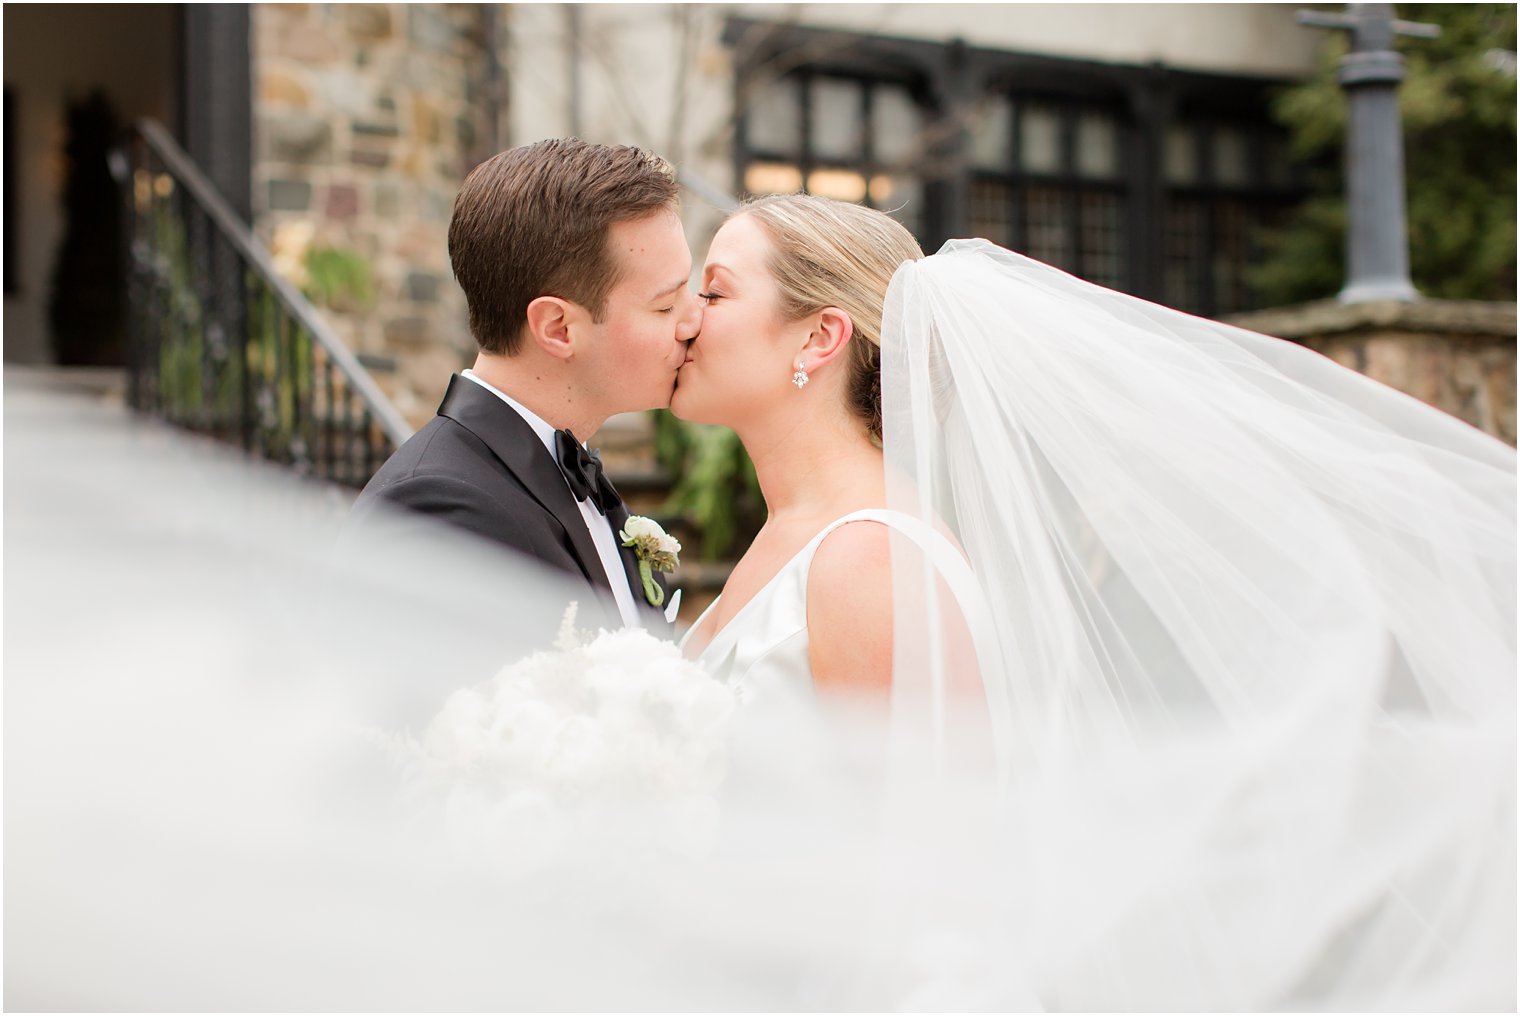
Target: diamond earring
800 379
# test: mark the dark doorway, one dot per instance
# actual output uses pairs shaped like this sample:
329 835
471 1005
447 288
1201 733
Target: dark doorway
58 59
87 293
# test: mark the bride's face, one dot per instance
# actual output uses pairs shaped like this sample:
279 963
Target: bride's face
740 364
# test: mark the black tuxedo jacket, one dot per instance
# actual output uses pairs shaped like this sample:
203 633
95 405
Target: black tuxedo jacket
479 466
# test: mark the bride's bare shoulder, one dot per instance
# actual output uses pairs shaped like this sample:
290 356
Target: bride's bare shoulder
858 543
849 607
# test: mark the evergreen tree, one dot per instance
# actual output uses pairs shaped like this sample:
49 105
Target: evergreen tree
1458 107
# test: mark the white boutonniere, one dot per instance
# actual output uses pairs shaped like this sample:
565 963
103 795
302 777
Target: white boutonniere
656 550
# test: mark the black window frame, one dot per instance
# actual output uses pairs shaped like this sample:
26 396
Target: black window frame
952 78
1071 184
807 160
1258 197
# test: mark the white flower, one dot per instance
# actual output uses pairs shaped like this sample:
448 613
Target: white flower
638 525
570 739
646 535
656 550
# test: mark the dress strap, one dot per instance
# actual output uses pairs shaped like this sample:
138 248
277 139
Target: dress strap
948 562
928 539
942 553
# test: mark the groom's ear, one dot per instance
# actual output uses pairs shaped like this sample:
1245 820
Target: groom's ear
549 326
830 337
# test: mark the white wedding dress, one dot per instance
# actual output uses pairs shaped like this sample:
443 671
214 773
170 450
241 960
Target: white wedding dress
764 647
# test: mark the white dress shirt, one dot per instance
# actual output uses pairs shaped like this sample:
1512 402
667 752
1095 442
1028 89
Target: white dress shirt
597 524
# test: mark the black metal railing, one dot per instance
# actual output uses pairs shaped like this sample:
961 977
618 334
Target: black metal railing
218 342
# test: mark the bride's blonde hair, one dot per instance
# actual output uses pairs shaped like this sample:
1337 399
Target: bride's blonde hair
827 253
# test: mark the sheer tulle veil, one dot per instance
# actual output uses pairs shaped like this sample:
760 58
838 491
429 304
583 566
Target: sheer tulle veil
1244 620
1247 638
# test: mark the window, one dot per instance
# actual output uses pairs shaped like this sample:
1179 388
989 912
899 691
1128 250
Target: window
851 138
1048 181
1225 181
1146 179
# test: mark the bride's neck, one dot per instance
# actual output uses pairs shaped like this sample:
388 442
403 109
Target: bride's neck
814 463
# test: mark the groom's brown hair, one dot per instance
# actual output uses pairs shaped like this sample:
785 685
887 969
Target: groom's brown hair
533 221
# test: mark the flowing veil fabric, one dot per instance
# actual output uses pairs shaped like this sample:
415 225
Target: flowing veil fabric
1247 619
1251 677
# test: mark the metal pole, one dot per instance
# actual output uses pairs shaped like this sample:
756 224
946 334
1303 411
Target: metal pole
1377 238
1377 242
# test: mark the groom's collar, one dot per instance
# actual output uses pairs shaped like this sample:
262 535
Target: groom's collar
508 434
512 439
540 427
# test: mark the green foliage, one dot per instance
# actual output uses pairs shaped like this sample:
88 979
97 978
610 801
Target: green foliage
203 381
1458 107
197 380
339 279
717 488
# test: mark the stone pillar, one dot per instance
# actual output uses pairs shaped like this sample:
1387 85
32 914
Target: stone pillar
1456 355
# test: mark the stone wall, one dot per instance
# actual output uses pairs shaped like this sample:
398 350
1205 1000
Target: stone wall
367 117
1458 356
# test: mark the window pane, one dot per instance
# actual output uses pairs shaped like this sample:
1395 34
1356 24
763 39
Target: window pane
772 178
1231 253
903 200
1097 145
989 212
840 184
1230 158
1102 238
773 124
1275 168
1180 155
1184 246
896 125
837 119
888 190
1039 138
990 129
1045 226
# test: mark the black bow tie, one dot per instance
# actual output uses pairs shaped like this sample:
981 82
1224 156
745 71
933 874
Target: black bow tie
583 471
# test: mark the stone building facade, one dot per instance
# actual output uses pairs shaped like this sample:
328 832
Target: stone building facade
1129 144
367 117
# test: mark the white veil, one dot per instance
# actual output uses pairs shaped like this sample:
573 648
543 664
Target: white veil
1225 789
1254 649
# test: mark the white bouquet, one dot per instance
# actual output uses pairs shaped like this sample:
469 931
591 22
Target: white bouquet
615 736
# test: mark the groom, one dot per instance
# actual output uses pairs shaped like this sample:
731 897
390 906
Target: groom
574 265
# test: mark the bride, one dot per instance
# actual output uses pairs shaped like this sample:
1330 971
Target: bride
1266 601
789 357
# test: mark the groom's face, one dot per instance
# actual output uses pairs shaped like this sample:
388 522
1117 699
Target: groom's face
651 314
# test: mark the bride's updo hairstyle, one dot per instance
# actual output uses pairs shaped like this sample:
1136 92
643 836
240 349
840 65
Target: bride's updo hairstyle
827 253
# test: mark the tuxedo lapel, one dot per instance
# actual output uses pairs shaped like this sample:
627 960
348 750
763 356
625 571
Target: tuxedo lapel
514 443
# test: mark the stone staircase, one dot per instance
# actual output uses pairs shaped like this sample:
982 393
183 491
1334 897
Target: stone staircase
103 384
